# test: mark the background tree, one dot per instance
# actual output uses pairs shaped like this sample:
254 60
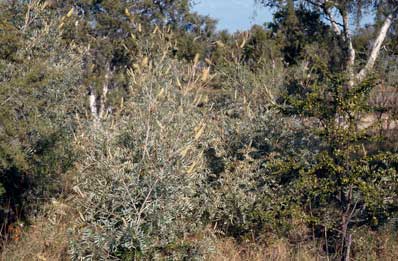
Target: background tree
297 28
339 14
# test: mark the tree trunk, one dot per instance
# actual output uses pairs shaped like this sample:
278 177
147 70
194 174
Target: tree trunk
99 111
344 30
92 99
350 47
376 49
347 254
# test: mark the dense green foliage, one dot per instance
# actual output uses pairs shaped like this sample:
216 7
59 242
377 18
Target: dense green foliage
39 94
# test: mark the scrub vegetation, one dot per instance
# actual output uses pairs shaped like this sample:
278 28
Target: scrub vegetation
134 130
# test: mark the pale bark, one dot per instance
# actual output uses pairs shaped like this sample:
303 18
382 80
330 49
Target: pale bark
98 111
92 99
323 5
351 55
376 48
344 30
331 18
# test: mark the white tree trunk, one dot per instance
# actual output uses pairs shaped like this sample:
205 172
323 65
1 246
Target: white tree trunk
98 111
350 47
344 29
92 99
376 49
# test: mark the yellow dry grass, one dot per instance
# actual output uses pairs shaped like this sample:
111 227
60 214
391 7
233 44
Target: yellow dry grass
280 250
46 239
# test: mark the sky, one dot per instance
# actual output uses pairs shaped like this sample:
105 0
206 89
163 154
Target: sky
233 15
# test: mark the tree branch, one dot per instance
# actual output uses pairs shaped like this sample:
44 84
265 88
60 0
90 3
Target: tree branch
376 47
324 6
331 18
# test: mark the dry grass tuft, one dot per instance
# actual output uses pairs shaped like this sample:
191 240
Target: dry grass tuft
47 238
279 250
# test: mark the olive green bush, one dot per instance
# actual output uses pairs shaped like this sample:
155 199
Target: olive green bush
350 180
40 95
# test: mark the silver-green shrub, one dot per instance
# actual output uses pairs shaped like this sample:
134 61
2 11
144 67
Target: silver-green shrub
143 178
173 159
